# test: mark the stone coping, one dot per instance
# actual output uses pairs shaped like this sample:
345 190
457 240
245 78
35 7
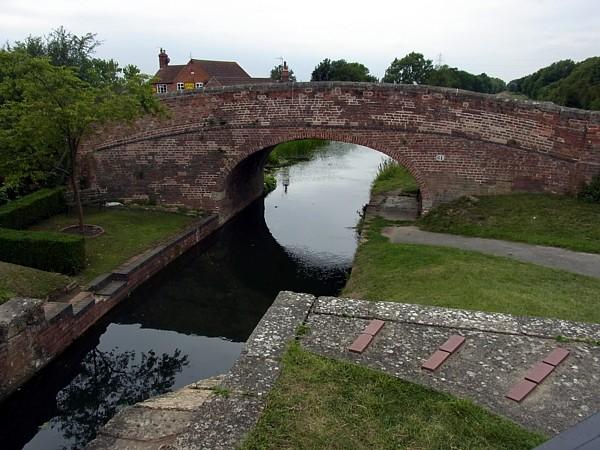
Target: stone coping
458 318
425 89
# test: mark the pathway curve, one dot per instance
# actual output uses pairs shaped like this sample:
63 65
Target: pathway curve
556 258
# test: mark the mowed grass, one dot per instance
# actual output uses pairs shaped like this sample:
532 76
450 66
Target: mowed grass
128 232
392 176
542 219
20 281
319 403
461 279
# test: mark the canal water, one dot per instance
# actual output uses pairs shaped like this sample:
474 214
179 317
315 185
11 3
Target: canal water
190 321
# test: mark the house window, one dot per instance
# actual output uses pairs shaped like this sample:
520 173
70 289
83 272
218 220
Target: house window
180 86
161 88
200 86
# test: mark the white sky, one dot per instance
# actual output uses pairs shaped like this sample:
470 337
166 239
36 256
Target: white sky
504 38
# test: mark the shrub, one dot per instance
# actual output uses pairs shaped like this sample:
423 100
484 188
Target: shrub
55 252
590 192
32 208
270 183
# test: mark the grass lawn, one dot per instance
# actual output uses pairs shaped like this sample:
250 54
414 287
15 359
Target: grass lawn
460 279
320 403
542 219
128 232
27 282
392 176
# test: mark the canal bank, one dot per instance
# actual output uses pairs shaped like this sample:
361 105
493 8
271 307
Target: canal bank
34 332
192 318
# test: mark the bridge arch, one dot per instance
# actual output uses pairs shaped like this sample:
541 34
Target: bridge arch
453 142
244 182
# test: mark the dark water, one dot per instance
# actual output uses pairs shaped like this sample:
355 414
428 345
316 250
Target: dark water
190 321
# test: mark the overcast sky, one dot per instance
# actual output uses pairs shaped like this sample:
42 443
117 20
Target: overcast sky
504 38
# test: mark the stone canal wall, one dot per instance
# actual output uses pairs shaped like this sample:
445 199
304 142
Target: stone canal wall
33 332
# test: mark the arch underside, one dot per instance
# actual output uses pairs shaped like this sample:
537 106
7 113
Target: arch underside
220 170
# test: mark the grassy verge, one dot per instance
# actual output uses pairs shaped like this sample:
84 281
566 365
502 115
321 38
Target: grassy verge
460 279
128 232
541 219
392 176
27 282
288 153
320 403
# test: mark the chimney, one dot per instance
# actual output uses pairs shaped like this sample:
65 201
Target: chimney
163 59
285 73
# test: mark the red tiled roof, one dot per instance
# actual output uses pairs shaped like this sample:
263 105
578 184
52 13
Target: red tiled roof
226 69
231 81
168 74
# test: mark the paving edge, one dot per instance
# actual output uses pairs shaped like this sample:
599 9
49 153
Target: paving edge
458 318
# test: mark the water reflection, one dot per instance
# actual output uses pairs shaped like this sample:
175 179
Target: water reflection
197 313
107 382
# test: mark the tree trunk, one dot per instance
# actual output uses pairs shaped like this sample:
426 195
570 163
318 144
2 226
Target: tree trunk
76 196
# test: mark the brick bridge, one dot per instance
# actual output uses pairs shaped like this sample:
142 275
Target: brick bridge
210 150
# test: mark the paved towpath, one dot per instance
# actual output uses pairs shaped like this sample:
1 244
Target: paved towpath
556 258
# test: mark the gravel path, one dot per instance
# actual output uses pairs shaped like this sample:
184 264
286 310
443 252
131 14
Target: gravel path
556 258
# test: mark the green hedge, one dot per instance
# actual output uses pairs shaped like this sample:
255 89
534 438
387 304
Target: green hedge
45 250
32 208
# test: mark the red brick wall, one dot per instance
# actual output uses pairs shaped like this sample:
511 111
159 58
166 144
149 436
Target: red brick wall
490 145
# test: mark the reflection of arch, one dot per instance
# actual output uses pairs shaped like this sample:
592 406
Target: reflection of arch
244 258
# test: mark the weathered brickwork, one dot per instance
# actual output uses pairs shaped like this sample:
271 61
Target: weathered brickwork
194 156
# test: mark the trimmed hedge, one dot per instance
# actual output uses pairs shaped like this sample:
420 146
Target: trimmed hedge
45 250
32 208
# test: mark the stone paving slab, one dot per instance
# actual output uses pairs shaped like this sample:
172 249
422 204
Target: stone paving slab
556 258
483 369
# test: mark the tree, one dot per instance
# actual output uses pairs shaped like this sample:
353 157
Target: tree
565 83
460 79
341 70
412 69
276 73
53 110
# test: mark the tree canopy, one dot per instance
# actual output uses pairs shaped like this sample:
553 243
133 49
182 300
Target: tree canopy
564 82
341 70
412 69
46 110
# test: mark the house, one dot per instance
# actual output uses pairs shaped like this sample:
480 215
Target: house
198 74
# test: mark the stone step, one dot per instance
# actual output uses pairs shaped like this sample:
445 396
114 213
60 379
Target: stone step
55 310
81 301
111 288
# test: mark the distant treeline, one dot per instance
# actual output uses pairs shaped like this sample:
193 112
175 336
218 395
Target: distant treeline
565 83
